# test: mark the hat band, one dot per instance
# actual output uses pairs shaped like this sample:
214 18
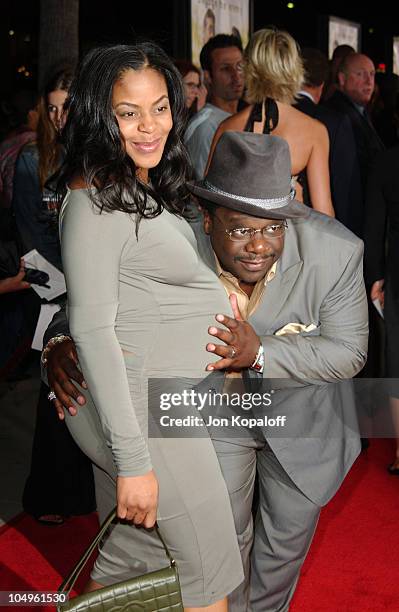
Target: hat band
266 203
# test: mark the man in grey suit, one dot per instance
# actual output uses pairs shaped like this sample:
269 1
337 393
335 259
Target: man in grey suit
299 325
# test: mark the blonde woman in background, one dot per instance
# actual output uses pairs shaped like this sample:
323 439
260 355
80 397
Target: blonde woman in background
274 75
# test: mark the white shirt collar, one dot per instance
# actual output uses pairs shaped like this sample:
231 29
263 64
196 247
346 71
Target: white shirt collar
306 94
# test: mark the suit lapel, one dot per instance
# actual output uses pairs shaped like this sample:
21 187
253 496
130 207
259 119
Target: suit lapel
366 126
204 245
279 289
372 131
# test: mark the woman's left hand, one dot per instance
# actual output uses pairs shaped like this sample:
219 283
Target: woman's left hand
137 499
241 341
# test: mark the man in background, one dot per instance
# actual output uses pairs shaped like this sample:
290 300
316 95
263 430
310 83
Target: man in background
345 183
222 63
339 54
25 118
356 81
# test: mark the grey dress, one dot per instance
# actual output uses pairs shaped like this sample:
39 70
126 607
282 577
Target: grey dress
139 308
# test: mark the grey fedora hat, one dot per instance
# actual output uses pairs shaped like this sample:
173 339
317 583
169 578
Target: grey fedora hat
251 173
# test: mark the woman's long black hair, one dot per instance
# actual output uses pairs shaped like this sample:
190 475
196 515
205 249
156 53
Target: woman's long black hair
93 146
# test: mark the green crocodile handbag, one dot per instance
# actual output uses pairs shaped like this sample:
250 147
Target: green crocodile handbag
153 592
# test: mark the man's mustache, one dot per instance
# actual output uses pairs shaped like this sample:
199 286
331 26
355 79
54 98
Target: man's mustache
254 257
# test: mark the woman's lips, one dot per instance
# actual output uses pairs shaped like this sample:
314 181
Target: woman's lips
147 147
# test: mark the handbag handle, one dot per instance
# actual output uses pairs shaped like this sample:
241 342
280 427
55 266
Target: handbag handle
69 582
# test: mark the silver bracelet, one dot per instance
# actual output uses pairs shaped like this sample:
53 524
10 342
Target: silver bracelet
52 342
259 361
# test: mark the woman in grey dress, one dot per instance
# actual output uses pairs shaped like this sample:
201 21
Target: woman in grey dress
140 301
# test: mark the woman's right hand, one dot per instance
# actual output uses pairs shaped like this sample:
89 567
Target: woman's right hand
137 499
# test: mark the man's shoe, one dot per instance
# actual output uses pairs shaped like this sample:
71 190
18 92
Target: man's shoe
393 470
365 443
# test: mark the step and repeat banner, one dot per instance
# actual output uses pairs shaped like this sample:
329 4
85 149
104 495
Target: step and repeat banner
343 32
211 17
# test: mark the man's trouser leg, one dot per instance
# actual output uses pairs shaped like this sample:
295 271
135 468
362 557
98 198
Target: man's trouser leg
237 459
285 524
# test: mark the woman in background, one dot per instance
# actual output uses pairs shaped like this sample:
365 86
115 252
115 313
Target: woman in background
195 91
33 203
60 482
274 74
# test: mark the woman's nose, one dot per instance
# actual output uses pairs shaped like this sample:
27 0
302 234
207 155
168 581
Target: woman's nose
146 123
59 119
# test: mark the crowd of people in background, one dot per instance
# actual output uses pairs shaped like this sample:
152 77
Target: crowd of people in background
341 122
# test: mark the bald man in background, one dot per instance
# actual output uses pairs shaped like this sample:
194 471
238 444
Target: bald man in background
356 79
346 191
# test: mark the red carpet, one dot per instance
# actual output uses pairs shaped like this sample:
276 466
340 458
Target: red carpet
35 557
352 566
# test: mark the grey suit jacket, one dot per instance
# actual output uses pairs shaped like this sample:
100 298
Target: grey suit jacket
319 280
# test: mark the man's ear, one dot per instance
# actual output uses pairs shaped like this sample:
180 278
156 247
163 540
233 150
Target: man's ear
318 92
341 78
207 79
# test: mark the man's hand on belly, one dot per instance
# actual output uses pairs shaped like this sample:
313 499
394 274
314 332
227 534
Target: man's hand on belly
241 341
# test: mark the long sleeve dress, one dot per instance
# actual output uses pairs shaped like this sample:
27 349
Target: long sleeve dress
139 309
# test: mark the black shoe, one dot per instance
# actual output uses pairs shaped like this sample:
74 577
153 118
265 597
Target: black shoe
51 520
392 470
365 443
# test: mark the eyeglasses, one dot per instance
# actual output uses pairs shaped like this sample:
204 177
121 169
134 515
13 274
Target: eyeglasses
245 234
191 85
